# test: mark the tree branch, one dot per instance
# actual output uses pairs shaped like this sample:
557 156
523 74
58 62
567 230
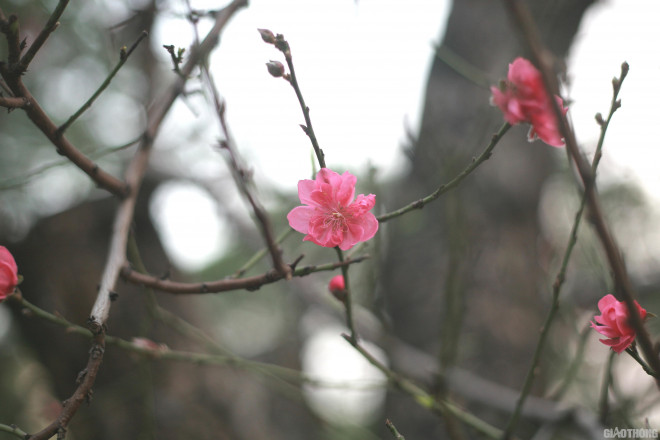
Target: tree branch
242 179
228 284
51 25
137 167
13 102
123 57
419 204
544 61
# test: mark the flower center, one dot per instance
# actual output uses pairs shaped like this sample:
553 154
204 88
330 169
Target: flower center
335 220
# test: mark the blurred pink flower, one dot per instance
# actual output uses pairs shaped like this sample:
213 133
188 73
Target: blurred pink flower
8 273
613 323
329 215
336 284
522 98
337 287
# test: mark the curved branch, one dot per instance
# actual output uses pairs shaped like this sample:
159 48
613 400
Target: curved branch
228 284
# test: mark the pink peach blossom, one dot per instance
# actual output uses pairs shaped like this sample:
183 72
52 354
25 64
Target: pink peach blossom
613 323
8 273
523 98
330 216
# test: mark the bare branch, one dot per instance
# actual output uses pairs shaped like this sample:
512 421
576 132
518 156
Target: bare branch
51 25
228 284
123 218
13 102
137 167
123 57
241 177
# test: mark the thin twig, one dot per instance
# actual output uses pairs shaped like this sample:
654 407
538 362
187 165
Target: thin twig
228 284
80 395
254 259
220 358
123 57
14 182
543 59
283 46
137 167
419 204
242 179
13 429
41 120
48 29
561 275
632 351
423 398
393 430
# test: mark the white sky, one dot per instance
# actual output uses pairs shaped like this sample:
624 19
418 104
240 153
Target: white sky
612 32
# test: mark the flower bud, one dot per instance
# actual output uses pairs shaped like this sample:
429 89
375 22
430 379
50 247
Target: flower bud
267 36
8 273
337 287
275 68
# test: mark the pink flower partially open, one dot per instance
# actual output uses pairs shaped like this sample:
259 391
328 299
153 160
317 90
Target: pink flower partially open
523 98
8 273
613 323
329 215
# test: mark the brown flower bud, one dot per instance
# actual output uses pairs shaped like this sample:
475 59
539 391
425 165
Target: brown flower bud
275 68
267 36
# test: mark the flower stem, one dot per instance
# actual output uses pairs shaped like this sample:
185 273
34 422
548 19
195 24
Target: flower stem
347 302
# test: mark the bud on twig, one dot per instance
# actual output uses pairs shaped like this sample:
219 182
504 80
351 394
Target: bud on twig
337 287
275 68
267 36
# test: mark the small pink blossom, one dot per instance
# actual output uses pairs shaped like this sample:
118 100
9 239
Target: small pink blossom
336 284
613 323
337 287
330 216
8 273
523 98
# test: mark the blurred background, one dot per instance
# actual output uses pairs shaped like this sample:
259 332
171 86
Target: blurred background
452 296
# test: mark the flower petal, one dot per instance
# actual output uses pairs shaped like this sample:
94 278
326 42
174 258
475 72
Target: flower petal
300 217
